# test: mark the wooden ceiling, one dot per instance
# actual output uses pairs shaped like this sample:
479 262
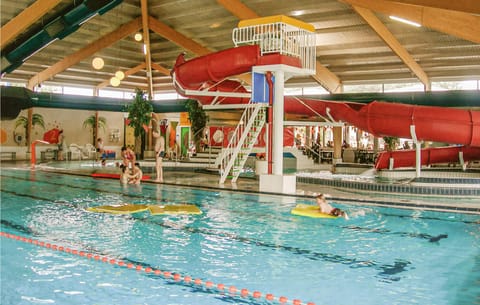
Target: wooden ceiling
357 42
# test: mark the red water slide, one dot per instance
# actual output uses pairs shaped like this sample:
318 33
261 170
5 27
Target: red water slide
439 124
406 158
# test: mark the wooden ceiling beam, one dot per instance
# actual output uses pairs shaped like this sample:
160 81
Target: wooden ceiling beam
177 38
323 75
327 79
105 41
161 69
26 18
393 43
146 41
458 24
466 6
129 72
238 9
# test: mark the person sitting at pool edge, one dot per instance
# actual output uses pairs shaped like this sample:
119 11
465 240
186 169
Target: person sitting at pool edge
326 208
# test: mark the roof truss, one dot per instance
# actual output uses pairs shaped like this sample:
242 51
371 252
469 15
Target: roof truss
465 6
393 43
459 18
26 18
456 23
89 50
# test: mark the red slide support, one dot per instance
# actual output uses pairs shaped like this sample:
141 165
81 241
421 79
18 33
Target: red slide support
33 152
439 124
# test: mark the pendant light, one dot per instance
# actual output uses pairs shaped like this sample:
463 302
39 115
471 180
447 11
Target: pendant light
115 82
120 75
97 63
138 37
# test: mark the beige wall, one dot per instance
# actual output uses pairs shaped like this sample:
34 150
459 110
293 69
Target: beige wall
71 121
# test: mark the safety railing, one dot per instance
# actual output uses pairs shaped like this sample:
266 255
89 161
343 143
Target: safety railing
279 34
241 143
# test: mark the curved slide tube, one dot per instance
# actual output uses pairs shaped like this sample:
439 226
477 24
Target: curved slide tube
406 158
439 124
449 125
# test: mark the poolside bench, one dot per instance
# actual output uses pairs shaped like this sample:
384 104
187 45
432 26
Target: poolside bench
49 154
11 155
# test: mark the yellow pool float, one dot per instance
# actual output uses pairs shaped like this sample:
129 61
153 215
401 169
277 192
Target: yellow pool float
119 209
170 209
308 210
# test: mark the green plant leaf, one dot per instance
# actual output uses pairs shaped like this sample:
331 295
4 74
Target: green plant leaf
139 112
197 117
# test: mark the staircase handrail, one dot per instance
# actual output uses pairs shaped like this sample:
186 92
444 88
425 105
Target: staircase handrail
230 153
226 150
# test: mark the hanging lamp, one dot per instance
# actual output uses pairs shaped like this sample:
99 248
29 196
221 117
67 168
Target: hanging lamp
138 36
115 82
98 63
120 75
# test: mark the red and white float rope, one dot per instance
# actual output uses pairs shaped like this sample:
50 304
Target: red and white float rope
220 288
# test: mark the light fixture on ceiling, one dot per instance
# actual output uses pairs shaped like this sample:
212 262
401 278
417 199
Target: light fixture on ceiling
138 37
97 63
115 82
405 21
298 13
145 49
120 75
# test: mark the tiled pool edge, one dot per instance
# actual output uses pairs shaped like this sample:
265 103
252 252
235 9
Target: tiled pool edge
354 186
393 188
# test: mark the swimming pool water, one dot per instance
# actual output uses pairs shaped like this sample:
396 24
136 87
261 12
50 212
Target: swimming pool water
251 241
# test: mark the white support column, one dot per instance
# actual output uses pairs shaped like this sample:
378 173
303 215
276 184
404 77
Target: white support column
418 151
278 117
462 161
277 182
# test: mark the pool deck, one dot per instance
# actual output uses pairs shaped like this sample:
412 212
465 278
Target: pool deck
202 179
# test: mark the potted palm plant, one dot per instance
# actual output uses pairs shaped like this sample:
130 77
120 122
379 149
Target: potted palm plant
139 116
198 118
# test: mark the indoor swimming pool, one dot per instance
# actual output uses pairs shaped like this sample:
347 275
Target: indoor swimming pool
245 248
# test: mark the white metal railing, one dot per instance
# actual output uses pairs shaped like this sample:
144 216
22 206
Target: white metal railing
241 143
282 38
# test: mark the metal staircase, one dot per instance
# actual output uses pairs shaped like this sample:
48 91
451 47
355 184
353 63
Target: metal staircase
240 145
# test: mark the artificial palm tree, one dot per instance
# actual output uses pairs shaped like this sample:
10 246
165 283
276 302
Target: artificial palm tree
37 119
139 116
91 122
198 118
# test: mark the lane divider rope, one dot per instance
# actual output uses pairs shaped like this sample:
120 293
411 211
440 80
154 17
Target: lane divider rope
209 285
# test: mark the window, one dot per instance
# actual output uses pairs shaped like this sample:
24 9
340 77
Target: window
404 87
50 89
78 91
293 91
314 90
167 96
110 93
362 88
455 85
